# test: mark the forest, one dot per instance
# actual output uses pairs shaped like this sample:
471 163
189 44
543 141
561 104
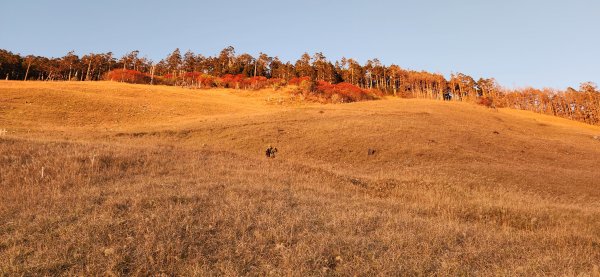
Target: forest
315 76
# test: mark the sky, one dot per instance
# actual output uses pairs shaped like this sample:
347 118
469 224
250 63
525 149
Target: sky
521 43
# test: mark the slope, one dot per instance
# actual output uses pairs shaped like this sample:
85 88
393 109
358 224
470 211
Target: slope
452 188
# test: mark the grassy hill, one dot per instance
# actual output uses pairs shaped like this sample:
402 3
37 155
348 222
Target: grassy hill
130 179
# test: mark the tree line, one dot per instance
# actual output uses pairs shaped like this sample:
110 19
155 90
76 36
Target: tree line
344 79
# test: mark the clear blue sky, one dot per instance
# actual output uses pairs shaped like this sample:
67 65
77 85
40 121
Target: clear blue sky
526 42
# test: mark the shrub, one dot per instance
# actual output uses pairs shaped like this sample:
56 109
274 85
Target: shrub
486 101
308 85
206 81
128 76
231 81
345 92
191 78
257 82
296 81
276 83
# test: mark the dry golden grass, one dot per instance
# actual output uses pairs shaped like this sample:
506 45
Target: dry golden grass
142 180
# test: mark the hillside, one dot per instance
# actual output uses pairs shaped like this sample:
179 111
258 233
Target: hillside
107 177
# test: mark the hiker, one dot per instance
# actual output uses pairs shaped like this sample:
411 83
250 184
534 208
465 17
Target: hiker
270 153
